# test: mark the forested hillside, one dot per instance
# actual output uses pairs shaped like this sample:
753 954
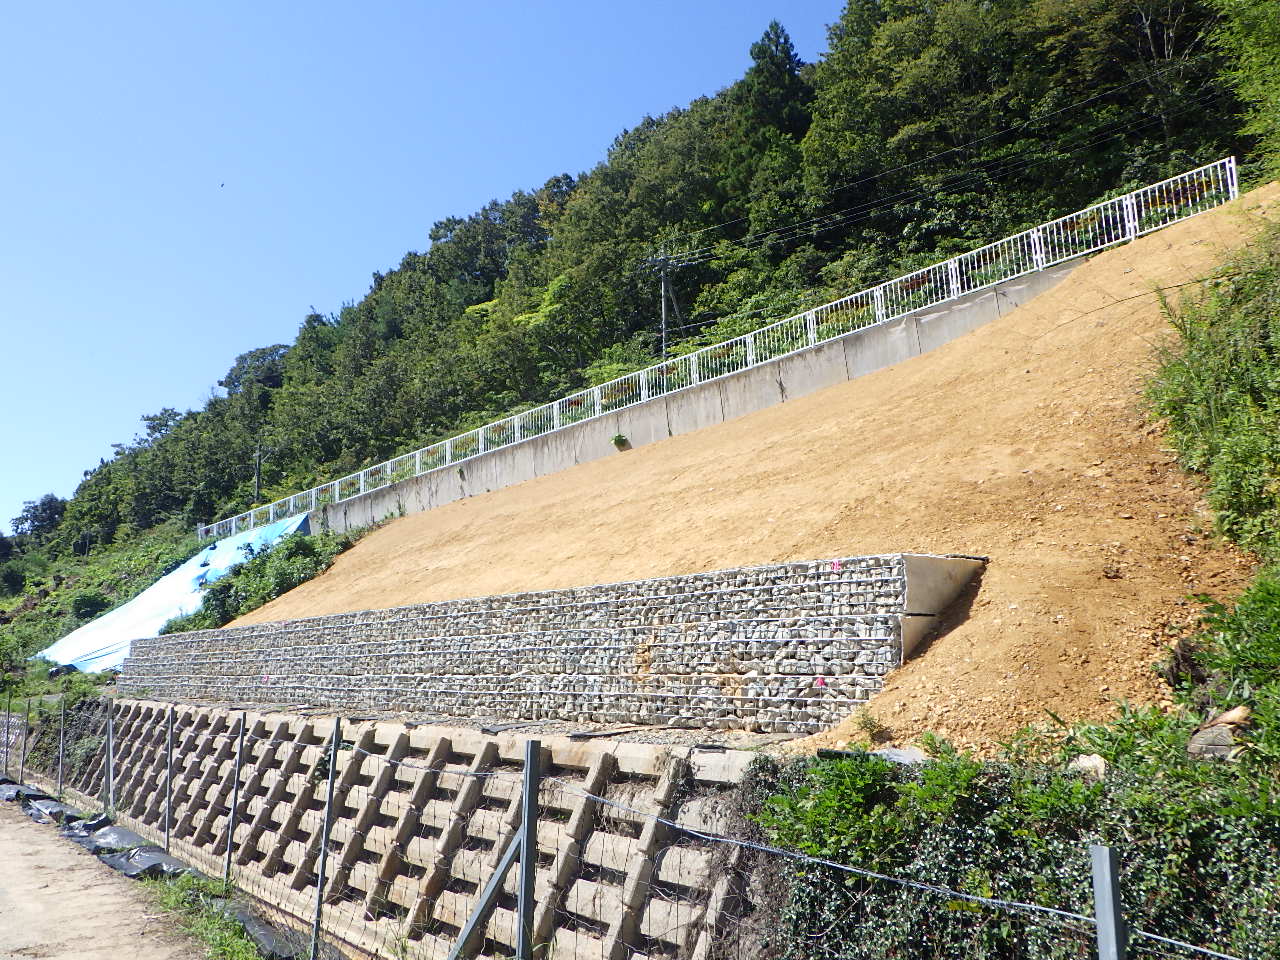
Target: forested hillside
926 128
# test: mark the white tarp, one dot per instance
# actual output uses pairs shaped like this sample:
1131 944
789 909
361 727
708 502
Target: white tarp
102 644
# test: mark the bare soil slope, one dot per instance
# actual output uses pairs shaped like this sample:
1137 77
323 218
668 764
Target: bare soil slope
1024 441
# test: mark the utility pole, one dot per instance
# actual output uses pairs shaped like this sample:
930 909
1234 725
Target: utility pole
666 292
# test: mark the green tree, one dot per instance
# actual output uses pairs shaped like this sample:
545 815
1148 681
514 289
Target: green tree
39 518
1250 35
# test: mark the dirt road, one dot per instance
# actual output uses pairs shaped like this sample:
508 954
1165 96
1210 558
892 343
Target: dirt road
59 902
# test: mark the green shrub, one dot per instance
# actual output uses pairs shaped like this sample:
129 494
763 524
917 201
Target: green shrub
86 606
12 579
1219 388
1192 868
264 576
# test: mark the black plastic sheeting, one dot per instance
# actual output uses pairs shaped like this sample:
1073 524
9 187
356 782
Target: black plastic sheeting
111 840
129 853
85 826
145 863
274 943
10 792
51 811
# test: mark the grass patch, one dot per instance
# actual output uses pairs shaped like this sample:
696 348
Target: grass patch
197 904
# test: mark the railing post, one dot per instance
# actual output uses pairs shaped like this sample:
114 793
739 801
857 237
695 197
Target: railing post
595 402
22 762
315 494
1130 207
326 825
1037 249
694 371
751 349
555 415
417 463
528 848
62 738
811 328
644 384
1233 179
235 800
953 277
878 296
481 446
168 777
517 432
1113 937
448 451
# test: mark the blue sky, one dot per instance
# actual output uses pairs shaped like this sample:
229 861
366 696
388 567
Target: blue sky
180 183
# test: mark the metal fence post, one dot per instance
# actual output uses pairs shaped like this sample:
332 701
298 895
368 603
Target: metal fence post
22 763
1113 937
62 739
108 781
324 836
8 720
168 778
235 800
528 848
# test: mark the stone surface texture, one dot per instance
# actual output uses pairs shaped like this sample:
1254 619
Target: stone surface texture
781 648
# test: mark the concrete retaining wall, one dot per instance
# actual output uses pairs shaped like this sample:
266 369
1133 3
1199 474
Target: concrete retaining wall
788 647
421 818
715 401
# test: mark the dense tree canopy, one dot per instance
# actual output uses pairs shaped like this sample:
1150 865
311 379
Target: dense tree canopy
926 127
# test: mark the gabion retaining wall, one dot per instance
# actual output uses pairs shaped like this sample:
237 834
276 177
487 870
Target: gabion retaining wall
787 647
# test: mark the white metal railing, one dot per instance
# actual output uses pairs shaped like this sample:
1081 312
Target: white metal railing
1086 231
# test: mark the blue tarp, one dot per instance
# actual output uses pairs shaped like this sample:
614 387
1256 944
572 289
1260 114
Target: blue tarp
103 643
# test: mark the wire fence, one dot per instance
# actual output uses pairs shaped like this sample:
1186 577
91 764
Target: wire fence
368 839
1087 231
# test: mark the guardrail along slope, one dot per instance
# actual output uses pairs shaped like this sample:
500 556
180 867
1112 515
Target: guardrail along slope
1024 441
1102 225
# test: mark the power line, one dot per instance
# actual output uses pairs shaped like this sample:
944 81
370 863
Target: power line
942 153
862 211
845 216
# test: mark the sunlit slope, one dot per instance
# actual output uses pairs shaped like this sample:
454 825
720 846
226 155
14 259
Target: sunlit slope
1024 441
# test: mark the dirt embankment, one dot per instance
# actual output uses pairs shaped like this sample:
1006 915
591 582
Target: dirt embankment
1025 441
